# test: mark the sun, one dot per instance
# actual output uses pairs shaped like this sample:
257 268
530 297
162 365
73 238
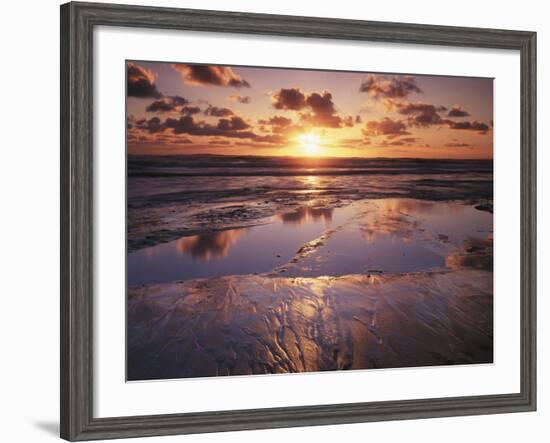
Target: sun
309 144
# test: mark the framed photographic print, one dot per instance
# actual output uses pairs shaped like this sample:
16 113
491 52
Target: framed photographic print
273 221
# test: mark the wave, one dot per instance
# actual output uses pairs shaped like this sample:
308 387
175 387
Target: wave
213 165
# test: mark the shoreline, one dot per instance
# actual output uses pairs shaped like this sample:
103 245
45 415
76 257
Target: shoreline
254 218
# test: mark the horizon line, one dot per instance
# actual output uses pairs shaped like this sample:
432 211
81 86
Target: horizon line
304 156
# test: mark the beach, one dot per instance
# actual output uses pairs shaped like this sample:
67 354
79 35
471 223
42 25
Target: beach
241 265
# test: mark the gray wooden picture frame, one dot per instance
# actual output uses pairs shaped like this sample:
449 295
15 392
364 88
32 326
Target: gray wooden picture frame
77 24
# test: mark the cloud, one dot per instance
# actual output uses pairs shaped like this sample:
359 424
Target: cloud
186 125
160 106
323 112
178 100
276 120
354 143
457 145
424 115
321 104
270 139
232 128
190 110
215 111
348 121
234 123
480 127
404 141
219 142
357 143
153 125
240 99
419 114
289 99
277 124
325 120
154 130
171 139
409 140
166 104
457 111
141 82
203 75
319 109
386 126
381 86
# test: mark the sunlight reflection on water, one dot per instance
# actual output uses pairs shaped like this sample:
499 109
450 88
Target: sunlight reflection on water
387 235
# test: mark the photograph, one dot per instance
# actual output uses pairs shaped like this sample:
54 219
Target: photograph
284 220
275 221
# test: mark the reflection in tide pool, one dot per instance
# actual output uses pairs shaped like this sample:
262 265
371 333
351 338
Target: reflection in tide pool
386 235
209 246
307 214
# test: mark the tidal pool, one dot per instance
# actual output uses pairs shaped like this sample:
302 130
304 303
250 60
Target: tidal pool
396 235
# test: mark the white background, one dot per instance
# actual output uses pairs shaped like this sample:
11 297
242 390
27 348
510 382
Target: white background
30 185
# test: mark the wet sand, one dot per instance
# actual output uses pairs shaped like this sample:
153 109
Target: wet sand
242 325
308 314
393 235
167 200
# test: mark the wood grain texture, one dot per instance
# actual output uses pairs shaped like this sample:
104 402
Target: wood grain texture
77 23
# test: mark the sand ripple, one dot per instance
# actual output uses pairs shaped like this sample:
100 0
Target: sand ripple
250 324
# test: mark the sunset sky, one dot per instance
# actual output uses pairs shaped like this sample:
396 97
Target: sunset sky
189 109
